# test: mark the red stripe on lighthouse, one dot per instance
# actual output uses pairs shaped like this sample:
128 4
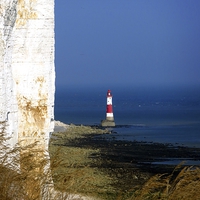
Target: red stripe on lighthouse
109 109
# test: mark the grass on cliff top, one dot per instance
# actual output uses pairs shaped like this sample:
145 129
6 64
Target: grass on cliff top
184 185
76 173
74 169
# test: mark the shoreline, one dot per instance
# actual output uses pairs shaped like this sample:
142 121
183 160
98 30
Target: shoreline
60 126
188 155
129 164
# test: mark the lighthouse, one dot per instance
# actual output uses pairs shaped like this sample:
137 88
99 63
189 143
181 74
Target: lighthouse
109 121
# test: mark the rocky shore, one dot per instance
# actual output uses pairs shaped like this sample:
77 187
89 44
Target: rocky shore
131 164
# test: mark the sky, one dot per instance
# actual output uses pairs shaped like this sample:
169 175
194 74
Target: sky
129 43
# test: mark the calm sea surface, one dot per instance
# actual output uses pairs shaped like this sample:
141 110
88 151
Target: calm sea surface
151 115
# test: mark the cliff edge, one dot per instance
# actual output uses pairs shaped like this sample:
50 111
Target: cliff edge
27 71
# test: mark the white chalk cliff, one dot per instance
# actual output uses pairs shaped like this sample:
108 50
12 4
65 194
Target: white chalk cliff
27 74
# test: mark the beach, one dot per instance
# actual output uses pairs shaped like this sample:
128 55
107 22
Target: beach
132 163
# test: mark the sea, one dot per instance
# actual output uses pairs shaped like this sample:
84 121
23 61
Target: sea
159 115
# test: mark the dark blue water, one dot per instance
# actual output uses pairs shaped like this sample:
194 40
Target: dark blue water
152 115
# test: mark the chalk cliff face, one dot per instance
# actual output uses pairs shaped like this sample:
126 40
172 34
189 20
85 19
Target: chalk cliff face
27 73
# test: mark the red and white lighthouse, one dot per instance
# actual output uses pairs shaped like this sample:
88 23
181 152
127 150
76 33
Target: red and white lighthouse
109 109
109 121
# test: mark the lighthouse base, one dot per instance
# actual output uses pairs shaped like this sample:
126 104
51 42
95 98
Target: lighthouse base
106 123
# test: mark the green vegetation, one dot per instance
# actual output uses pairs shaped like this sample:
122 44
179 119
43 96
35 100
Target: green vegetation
24 173
81 174
74 168
184 185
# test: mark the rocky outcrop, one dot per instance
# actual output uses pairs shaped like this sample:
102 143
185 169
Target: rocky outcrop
27 73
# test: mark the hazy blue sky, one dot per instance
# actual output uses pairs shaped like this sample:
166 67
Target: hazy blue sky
127 42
